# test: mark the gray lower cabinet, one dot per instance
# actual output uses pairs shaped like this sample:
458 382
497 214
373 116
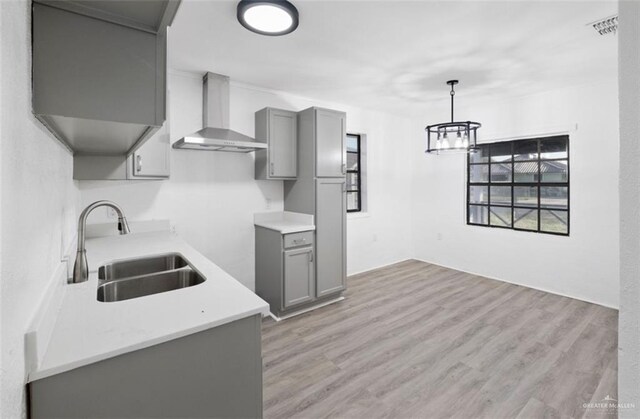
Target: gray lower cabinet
285 269
331 207
277 128
298 276
216 373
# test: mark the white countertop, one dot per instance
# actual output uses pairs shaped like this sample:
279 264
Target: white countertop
87 331
284 221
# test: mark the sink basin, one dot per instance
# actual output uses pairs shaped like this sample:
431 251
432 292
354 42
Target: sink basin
133 278
142 266
139 286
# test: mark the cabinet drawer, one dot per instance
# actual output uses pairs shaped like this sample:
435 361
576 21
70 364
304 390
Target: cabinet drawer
304 238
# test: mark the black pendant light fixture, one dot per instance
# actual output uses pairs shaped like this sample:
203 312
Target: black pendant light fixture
454 136
268 17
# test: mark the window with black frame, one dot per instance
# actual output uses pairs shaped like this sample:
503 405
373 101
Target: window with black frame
354 181
520 185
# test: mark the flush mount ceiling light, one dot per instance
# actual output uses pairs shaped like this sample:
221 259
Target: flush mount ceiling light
268 17
452 136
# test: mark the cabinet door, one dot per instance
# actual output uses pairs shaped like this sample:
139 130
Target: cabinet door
298 276
330 143
283 156
93 69
331 220
151 160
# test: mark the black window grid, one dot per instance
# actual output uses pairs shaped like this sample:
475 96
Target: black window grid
357 191
513 184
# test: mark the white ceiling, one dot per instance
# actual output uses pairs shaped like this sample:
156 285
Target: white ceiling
395 56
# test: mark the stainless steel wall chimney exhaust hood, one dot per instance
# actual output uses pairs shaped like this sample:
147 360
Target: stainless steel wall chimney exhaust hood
216 135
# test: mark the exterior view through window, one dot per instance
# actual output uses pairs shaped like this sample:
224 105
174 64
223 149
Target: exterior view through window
354 181
521 185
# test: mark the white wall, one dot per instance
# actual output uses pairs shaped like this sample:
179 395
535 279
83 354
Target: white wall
211 197
629 322
39 201
584 265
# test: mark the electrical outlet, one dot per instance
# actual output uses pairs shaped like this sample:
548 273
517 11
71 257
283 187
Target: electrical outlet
268 203
439 236
374 238
111 213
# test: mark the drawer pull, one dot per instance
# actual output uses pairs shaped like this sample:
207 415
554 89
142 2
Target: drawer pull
297 239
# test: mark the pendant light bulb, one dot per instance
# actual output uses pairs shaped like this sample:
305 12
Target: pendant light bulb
465 140
445 141
458 143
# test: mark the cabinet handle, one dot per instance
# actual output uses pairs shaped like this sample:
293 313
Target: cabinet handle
271 165
344 168
311 256
138 163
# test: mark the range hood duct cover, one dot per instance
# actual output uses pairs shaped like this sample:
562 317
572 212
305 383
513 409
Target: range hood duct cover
216 135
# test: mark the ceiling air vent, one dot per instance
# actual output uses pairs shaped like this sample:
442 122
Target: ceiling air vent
606 26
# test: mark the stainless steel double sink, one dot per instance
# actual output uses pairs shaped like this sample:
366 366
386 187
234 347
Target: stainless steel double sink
134 278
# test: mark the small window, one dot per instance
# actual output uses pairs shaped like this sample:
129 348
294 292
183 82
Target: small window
354 173
521 185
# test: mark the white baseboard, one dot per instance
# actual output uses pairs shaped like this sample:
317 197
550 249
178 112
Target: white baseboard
378 267
586 300
306 310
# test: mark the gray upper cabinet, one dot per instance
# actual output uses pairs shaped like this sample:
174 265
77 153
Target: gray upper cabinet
331 207
277 128
149 161
99 72
330 143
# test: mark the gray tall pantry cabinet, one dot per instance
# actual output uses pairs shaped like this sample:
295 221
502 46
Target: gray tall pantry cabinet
320 190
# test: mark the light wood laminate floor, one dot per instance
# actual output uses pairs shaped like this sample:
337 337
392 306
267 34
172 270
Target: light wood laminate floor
419 340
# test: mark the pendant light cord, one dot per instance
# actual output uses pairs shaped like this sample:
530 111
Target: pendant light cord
452 93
